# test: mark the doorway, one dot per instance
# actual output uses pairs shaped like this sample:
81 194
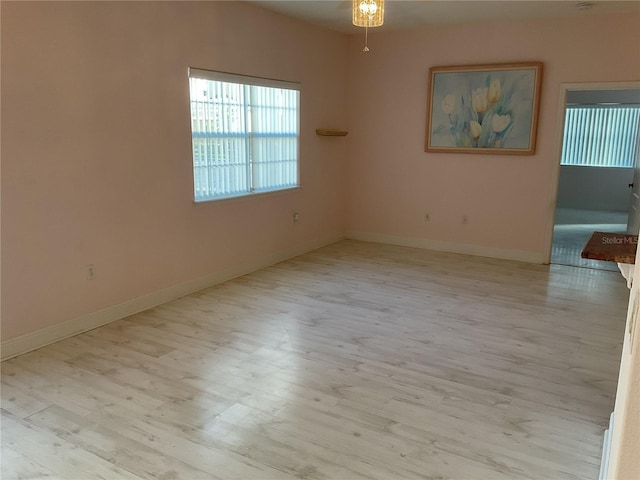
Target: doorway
591 198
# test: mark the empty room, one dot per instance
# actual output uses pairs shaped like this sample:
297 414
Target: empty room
313 239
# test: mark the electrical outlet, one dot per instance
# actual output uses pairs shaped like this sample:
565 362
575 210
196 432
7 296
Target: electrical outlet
296 218
465 219
91 272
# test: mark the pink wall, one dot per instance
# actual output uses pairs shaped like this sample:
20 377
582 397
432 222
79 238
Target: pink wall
393 182
96 161
96 150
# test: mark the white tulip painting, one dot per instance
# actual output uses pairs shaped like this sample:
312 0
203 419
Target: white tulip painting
483 109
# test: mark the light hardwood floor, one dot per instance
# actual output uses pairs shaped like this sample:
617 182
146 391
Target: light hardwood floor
356 361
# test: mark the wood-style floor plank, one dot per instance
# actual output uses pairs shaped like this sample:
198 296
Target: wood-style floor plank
356 361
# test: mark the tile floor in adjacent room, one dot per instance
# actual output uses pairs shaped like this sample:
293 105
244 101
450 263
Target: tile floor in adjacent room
572 230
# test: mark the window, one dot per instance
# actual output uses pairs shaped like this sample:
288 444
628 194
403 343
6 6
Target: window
244 133
600 136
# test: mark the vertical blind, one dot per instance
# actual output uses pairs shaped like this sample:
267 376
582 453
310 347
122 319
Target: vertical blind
244 134
600 136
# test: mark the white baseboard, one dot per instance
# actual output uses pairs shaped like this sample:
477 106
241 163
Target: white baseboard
606 450
40 338
427 244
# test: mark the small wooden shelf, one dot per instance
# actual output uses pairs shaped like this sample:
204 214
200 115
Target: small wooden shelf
330 133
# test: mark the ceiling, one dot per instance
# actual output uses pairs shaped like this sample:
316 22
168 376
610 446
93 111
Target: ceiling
402 14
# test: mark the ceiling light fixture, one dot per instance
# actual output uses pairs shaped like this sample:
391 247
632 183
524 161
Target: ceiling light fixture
367 13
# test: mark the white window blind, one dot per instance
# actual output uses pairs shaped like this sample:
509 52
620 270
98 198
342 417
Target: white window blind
244 134
600 136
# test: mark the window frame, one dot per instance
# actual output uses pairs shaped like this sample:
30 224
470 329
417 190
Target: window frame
244 80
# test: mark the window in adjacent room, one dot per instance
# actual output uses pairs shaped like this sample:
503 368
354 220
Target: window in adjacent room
244 132
600 135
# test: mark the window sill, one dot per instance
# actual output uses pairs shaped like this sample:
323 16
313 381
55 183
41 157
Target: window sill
244 197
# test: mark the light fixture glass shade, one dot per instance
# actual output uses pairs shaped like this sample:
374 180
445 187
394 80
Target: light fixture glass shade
368 13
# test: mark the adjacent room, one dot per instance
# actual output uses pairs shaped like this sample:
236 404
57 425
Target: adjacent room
596 184
364 289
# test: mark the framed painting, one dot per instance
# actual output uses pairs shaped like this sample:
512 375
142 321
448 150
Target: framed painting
490 109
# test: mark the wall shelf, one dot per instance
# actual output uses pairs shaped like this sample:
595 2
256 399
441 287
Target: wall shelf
330 133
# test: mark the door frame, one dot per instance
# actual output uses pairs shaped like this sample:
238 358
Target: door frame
555 172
